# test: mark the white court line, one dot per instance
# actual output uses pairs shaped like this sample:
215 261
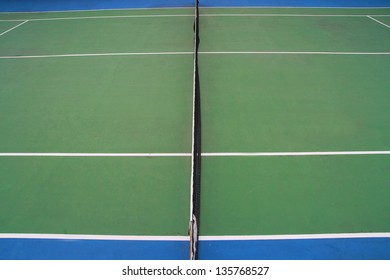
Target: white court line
1 34
298 53
296 236
293 7
111 17
186 238
101 17
238 154
200 8
94 54
283 15
92 237
95 154
98 10
294 154
191 53
189 15
378 21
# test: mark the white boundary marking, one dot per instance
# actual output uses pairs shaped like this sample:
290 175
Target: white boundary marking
201 8
378 21
93 54
186 238
290 154
284 15
293 7
190 53
1 34
92 237
95 154
237 154
299 52
190 15
103 17
297 236
103 10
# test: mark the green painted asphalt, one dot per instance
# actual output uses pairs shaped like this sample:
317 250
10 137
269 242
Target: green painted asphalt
250 103
218 33
295 195
343 34
100 36
96 104
125 196
280 103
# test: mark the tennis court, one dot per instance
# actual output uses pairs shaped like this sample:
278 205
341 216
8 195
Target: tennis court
96 120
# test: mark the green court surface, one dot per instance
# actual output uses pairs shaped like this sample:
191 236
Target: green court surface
96 104
292 195
119 84
114 196
282 33
275 103
97 35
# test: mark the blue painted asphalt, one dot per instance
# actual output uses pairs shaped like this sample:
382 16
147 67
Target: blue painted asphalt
299 249
63 5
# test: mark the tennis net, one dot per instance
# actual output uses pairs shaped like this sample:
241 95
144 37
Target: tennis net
196 148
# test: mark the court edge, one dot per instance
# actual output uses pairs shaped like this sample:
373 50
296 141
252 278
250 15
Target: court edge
186 238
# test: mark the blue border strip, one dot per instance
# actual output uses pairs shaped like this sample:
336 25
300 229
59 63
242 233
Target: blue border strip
68 5
305 249
299 249
296 3
53 249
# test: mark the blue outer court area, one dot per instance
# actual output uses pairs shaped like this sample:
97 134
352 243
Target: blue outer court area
61 5
299 249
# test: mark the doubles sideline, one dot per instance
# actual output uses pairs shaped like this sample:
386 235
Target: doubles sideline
234 154
186 238
191 15
191 53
